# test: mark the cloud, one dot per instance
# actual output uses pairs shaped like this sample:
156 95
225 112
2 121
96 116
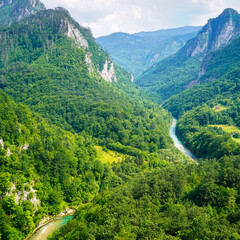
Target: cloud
107 16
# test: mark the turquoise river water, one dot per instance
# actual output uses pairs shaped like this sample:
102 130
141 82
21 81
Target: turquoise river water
50 228
178 143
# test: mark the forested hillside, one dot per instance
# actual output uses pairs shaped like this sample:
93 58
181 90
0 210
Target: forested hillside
48 71
212 93
81 110
75 132
172 202
43 169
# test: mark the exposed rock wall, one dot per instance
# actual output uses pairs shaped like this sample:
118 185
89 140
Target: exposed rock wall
216 34
108 73
76 35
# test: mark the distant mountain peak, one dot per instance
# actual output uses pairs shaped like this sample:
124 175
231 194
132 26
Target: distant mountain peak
217 33
229 11
14 10
62 9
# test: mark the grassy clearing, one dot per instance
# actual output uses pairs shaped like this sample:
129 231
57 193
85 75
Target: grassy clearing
108 156
222 108
230 130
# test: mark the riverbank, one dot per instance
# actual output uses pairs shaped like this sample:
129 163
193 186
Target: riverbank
48 220
178 143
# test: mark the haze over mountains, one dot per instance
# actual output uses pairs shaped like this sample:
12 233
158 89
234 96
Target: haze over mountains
137 52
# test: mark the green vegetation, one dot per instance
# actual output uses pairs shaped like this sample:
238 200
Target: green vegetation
231 130
68 138
46 169
221 92
220 108
58 151
171 75
108 156
199 129
171 202
137 52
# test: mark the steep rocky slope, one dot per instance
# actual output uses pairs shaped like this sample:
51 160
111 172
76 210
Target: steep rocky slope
15 10
188 67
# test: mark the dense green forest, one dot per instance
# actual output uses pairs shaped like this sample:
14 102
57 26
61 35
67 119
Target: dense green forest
44 169
171 202
47 71
170 76
202 130
70 139
223 90
49 160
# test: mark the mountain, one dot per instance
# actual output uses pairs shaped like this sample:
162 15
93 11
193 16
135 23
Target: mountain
14 10
137 52
63 105
224 68
189 66
195 201
75 132
55 67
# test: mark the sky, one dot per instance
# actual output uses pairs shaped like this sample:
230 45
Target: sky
107 16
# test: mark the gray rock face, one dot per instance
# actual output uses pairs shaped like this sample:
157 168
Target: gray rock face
108 73
216 34
76 35
16 10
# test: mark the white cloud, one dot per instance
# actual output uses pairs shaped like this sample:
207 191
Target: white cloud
210 5
107 16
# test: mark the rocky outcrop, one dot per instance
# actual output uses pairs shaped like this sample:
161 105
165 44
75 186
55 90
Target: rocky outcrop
108 73
24 147
8 152
76 35
15 10
89 63
2 143
28 194
216 34
132 78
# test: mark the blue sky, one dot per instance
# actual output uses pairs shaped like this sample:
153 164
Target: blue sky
131 16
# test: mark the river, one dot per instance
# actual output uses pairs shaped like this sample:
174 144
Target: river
50 228
178 143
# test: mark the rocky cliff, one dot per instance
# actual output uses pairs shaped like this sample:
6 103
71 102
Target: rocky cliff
14 10
217 33
191 64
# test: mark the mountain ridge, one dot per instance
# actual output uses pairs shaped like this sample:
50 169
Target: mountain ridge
15 10
188 66
137 52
